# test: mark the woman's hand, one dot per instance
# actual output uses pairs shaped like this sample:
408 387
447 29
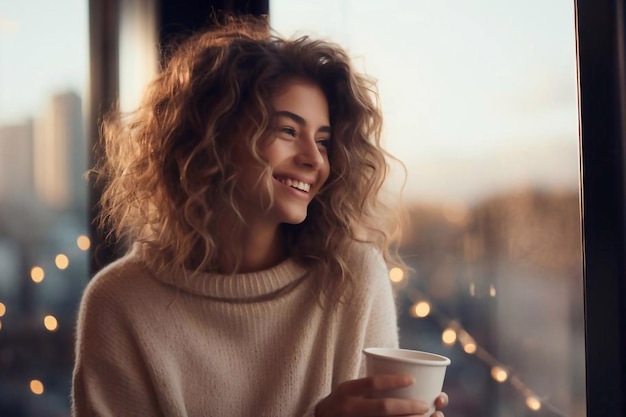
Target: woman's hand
440 402
354 399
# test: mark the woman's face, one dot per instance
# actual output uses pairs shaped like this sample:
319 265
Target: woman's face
296 149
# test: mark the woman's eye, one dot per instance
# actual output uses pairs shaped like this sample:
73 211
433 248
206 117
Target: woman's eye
288 130
323 142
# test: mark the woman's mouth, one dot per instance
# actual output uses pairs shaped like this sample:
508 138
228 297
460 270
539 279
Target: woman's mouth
298 185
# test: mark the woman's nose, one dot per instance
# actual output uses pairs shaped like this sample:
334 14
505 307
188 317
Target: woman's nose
309 153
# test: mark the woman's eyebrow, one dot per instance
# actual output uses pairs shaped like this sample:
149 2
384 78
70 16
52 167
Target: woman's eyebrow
300 120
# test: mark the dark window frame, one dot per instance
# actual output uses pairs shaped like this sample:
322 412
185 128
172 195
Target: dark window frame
602 106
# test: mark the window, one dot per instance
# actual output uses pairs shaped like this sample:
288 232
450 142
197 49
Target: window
479 100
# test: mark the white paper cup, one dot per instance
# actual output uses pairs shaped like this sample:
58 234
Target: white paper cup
427 369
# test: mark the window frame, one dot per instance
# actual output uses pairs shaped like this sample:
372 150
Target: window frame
602 117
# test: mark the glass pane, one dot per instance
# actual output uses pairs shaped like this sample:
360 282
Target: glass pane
480 102
43 224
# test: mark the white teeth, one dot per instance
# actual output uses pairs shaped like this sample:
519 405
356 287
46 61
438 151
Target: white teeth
302 186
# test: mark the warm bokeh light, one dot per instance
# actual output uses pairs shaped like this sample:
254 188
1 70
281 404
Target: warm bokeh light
36 387
396 275
448 336
421 309
467 341
61 261
50 322
37 274
0 324
469 348
3 310
499 373
472 290
83 242
492 291
533 403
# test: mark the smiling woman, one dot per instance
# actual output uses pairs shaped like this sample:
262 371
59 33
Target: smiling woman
247 183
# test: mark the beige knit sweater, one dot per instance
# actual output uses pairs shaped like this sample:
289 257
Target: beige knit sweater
255 344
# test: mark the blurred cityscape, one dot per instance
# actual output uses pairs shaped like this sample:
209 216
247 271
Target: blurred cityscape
501 283
504 276
43 255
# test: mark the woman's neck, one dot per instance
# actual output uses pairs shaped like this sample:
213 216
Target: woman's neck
259 247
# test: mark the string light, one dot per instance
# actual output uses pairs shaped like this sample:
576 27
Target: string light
467 341
499 373
37 274
420 309
36 387
470 348
453 332
533 403
50 323
3 310
83 242
61 261
449 336
396 275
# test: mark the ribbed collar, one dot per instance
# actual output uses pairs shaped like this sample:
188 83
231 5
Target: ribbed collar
239 287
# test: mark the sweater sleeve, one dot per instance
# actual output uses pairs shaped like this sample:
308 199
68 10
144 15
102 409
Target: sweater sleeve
371 315
382 322
110 378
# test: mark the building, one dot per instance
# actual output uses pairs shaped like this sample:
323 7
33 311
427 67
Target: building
60 154
16 162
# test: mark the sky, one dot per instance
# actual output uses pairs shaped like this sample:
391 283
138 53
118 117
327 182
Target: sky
478 97
44 49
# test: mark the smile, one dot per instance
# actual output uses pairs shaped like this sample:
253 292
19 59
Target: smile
298 185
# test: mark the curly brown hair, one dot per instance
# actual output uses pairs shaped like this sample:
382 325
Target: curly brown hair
168 166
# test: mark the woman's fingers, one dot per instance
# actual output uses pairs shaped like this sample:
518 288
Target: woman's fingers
369 407
365 397
367 387
442 400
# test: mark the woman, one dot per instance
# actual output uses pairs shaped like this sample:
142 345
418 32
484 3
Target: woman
246 185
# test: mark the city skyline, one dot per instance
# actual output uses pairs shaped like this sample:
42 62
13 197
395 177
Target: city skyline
44 158
44 50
